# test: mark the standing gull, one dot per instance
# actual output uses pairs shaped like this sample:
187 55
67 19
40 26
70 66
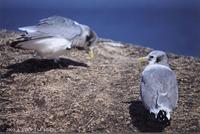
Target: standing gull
158 87
52 36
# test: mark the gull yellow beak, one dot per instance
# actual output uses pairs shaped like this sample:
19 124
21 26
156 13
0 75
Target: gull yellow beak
143 59
90 54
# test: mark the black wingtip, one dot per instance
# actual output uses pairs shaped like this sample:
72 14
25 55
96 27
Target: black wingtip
16 43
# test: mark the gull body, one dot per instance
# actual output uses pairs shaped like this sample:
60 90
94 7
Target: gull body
52 36
51 47
158 87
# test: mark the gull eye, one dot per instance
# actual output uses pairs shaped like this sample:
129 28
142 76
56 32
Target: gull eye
151 57
88 38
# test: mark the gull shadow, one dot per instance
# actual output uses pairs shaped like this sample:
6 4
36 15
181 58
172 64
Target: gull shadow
40 65
142 119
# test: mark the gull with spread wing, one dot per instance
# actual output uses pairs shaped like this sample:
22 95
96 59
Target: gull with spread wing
52 36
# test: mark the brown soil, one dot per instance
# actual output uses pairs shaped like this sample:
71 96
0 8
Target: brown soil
101 95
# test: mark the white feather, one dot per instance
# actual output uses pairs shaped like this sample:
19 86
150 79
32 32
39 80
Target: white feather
29 29
48 47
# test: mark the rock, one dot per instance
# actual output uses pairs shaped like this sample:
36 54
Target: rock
101 95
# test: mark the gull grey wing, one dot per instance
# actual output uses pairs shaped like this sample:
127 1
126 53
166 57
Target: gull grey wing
57 19
54 26
159 87
168 96
148 94
33 33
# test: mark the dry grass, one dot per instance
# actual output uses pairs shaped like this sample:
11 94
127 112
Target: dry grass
88 96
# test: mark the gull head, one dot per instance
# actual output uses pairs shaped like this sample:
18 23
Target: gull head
90 39
86 40
156 57
90 42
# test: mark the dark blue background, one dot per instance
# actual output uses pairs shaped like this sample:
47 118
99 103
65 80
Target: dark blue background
169 25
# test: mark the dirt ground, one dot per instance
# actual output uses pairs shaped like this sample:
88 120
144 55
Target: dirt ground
101 95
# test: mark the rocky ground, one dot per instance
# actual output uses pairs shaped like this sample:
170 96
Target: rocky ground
101 95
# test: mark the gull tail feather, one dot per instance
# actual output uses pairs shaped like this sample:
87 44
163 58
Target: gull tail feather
17 43
24 37
163 117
